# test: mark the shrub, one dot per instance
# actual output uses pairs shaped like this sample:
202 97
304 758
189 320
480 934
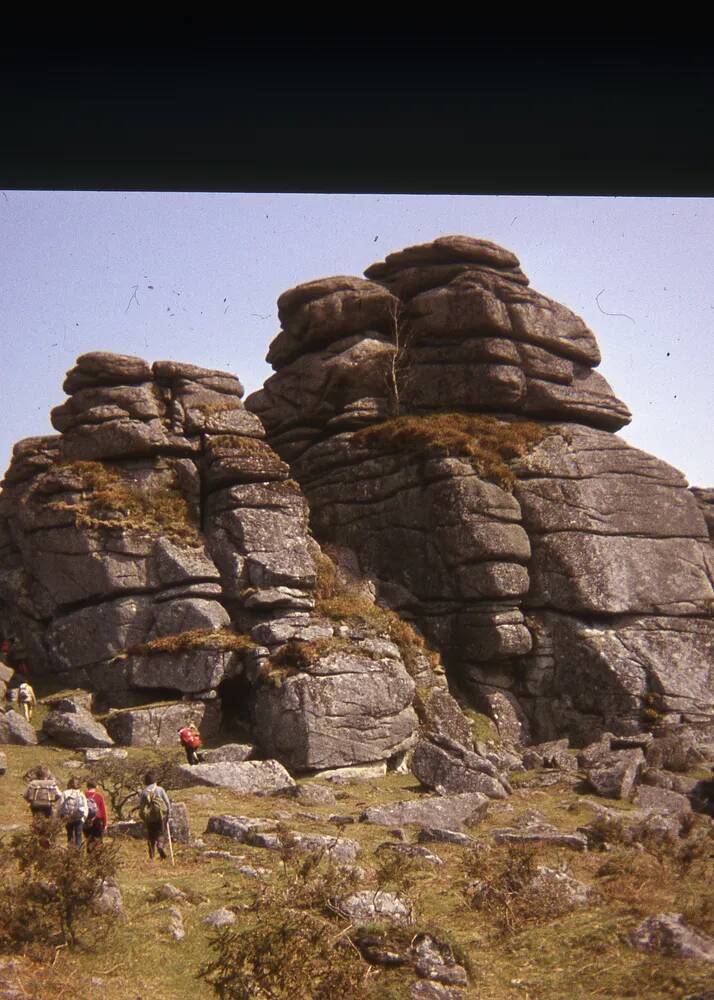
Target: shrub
123 780
505 886
291 943
49 890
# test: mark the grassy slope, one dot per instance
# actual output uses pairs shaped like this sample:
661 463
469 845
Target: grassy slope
582 955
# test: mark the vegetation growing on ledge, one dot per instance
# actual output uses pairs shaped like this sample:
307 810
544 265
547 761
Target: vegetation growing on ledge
196 638
336 600
296 657
488 443
108 501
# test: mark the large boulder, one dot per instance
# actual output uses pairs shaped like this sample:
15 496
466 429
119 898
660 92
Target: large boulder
76 729
348 706
450 811
16 729
615 775
251 777
446 765
158 725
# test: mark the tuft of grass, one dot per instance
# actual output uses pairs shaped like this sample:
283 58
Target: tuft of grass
341 603
196 638
488 443
108 502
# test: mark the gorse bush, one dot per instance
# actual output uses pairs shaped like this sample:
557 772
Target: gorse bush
291 941
49 889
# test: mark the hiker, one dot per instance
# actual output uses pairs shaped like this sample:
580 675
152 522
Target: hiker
27 700
96 822
191 741
155 812
74 810
42 793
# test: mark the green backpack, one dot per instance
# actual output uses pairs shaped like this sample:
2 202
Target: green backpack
154 808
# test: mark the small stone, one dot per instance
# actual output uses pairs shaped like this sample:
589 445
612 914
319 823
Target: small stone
411 851
369 905
169 891
176 928
541 835
220 918
92 755
669 934
426 990
110 900
432 834
359 772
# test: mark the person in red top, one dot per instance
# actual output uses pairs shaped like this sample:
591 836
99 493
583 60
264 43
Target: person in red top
191 741
94 827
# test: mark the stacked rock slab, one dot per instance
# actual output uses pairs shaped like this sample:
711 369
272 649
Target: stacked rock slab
150 550
572 592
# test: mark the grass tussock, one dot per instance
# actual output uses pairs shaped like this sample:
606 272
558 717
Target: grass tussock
487 443
296 657
108 502
223 640
341 603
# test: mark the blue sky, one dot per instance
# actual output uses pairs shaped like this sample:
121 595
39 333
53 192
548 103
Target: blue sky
195 277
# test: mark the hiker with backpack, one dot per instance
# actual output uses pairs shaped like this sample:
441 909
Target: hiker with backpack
96 822
26 699
42 793
155 812
73 809
190 741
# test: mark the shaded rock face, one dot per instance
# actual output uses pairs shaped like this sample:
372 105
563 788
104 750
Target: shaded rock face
565 577
156 551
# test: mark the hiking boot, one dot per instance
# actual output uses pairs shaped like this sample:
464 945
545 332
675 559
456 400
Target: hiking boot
162 854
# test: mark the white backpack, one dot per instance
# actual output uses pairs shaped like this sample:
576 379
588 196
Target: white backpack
73 806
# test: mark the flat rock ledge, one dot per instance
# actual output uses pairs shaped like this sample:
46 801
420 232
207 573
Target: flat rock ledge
250 777
260 833
541 835
450 811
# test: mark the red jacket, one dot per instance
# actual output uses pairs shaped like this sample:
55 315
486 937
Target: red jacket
101 807
189 737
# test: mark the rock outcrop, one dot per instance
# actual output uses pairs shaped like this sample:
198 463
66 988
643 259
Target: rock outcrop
156 552
441 429
452 436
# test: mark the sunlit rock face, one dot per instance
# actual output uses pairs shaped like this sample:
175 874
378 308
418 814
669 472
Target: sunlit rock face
156 552
449 429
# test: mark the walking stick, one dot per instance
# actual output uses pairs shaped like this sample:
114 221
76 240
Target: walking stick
168 837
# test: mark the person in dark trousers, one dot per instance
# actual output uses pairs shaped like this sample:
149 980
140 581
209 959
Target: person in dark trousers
95 826
73 809
42 793
155 812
